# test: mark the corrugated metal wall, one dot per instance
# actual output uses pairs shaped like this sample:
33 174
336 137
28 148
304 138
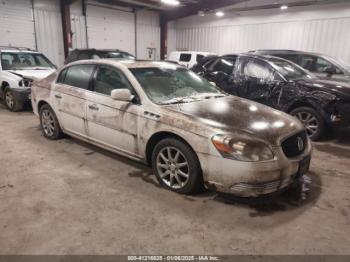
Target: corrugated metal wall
16 23
148 34
329 35
111 28
48 27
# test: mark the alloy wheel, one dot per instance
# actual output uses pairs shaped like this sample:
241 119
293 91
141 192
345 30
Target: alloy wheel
48 122
309 121
173 167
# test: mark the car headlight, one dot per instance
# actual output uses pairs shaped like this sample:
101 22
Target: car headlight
25 82
242 149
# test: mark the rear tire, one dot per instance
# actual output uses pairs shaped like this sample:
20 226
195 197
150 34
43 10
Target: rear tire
312 120
49 123
177 167
11 103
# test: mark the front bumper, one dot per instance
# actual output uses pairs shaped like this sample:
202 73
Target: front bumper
21 95
251 179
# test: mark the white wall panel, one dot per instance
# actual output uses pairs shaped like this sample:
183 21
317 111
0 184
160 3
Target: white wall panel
78 27
110 28
48 27
148 34
16 23
323 29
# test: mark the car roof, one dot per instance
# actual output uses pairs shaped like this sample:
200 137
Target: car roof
129 63
100 50
16 49
282 51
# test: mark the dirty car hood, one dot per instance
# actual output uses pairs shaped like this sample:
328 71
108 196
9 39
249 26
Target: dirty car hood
32 74
240 116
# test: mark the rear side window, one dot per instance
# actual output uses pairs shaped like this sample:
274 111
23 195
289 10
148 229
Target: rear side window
224 65
77 75
73 56
185 57
84 55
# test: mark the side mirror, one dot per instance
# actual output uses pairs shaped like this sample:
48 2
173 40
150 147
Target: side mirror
122 95
331 70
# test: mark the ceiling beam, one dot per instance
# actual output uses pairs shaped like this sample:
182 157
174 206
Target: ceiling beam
194 8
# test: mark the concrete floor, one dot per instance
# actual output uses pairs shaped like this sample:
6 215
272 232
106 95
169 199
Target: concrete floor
67 197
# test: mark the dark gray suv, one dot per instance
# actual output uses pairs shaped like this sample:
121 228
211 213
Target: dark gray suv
321 65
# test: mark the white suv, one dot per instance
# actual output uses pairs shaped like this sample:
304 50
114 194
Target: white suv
19 67
187 58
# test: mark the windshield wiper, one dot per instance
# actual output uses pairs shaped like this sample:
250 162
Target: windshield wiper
196 97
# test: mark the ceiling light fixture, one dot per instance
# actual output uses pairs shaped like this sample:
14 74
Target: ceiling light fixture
220 13
171 2
284 7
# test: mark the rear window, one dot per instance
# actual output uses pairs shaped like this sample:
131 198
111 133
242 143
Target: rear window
77 75
185 57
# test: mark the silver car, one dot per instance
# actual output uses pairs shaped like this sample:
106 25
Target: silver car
191 133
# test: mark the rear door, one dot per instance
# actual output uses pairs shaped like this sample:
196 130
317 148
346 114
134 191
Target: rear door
69 97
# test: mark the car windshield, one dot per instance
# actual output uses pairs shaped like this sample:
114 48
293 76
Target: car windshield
289 70
170 84
23 60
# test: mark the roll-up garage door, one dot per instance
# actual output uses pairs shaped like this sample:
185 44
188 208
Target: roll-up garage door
16 23
110 28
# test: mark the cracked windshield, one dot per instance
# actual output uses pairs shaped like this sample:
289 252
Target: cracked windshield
22 60
172 85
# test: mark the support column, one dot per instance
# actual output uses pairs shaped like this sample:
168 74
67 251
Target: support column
163 37
67 33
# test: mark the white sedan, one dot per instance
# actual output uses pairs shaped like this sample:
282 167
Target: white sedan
190 132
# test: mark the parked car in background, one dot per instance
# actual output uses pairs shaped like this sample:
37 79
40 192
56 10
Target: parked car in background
19 67
85 54
167 116
281 84
187 58
321 65
204 63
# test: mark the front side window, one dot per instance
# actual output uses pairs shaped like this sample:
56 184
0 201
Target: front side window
23 60
259 71
224 65
185 57
166 85
77 75
108 79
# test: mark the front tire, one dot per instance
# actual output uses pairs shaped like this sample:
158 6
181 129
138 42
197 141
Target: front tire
49 123
177 167
11 103
312 120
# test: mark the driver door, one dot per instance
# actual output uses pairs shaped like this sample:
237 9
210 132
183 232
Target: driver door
220 71
112 123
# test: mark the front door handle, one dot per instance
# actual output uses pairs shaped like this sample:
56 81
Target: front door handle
93 107
58 96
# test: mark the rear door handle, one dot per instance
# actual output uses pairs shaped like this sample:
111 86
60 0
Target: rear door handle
93 107
58 96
